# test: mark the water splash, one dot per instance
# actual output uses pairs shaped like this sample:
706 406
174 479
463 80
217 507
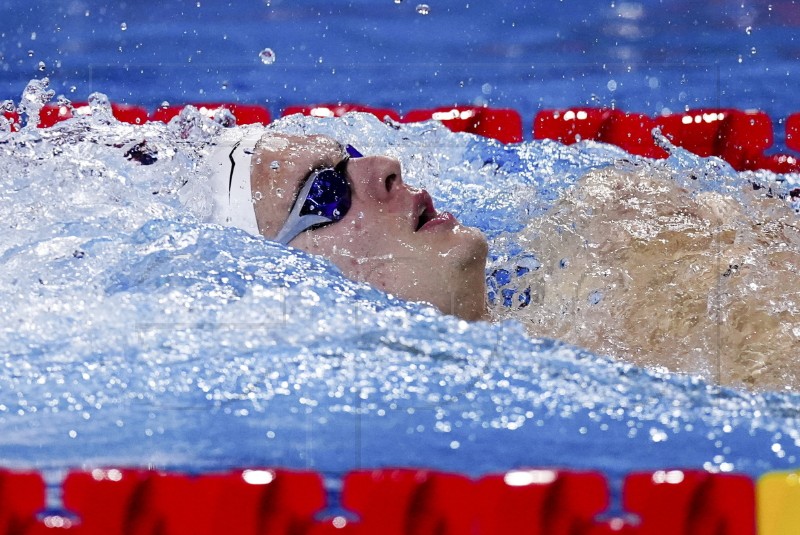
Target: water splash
100 108
131 322
267 56
34 98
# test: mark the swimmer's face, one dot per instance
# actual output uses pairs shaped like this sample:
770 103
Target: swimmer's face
379 240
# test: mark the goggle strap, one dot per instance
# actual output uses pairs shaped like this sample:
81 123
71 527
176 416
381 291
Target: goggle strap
298 225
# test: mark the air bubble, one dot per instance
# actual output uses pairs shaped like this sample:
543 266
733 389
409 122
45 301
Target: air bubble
41 66
275 165
267 56
398 1
423 9
123 26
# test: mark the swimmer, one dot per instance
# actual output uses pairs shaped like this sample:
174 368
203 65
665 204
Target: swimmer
315 194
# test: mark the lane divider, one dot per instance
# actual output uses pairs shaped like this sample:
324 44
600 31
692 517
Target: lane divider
740 137
399 501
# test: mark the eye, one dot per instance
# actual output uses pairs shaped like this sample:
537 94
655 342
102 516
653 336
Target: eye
329 195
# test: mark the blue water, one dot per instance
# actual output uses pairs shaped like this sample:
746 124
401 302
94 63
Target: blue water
134 333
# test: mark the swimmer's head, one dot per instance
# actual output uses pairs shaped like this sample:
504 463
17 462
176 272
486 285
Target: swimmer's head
373 226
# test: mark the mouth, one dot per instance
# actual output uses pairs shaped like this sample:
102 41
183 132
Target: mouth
423 209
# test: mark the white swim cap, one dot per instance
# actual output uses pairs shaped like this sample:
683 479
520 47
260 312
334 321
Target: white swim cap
231 193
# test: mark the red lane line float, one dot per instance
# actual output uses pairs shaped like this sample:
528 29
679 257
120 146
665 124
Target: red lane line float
696 130
631 132
691 501
504 125
13 118
779 163
22 495
399 501
793 131
55 113
244 113
569 126
248 502
539 502
337 110
740 137
102 498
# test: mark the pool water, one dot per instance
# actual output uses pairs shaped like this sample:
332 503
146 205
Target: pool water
136 333
645 56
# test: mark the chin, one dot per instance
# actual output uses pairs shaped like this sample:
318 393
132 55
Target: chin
473 249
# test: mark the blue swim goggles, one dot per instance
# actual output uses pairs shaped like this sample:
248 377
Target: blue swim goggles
324 199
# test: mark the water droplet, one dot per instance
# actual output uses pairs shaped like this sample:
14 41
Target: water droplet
30 53
612 85
123 26
423 9
41 66
275 165
72 89
33 36
258 196
740 58
279 193
398 1
595 297
748 30
753 51
267 56
225 84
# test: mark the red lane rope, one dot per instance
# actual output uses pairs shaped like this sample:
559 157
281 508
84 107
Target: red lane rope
740 137
386 501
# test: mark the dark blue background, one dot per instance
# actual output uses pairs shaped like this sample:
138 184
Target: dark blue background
648 56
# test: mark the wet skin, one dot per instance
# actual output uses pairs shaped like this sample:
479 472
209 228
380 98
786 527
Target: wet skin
392 237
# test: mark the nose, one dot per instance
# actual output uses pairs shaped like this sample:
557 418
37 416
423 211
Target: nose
376 177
